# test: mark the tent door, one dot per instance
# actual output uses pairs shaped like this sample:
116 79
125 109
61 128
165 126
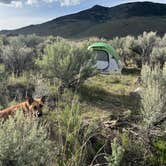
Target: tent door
113 65
102 58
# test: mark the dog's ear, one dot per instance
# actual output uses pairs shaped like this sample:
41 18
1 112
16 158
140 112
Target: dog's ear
30 99
43 99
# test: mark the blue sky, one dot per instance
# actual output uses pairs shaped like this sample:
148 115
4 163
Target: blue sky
19 13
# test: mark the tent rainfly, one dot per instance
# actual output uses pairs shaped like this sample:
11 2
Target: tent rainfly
106 56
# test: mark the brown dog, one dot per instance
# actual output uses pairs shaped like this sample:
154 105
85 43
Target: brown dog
30 107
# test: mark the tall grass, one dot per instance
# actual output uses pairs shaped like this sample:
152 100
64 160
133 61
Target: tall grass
70 136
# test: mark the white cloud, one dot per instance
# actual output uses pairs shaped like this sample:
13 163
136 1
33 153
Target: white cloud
6 1
31 2
69 2
12 3
19 3
63 2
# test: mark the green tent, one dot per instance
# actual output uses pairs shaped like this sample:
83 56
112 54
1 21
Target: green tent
107 58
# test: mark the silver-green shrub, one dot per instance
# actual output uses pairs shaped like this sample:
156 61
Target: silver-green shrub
153 95
23 141
145 44
16 56
31 41
3 86
1 45
158 54
123 47
71 63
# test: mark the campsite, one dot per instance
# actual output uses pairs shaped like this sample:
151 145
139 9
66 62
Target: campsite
83 101
90 116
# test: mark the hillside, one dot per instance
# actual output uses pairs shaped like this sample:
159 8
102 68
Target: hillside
121 20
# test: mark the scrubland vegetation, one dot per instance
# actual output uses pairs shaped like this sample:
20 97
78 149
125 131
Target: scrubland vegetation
89 118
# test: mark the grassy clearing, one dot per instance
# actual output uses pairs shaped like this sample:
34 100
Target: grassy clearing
104 95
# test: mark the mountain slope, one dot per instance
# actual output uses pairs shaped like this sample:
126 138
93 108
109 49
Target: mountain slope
121 20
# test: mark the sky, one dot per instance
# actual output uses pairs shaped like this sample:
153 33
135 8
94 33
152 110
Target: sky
19 13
